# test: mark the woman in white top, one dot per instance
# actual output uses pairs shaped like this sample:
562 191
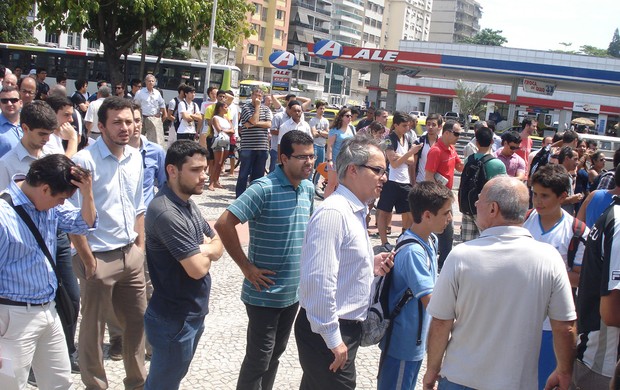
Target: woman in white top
223 130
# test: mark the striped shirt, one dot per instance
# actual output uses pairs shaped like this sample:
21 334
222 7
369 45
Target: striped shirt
336 265
254 138
278 215
25 272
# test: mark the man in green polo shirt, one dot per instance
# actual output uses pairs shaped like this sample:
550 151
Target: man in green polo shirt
277 207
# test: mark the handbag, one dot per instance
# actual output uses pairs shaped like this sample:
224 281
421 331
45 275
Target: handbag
64 306
222 140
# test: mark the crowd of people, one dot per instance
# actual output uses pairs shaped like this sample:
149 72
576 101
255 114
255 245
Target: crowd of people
529 299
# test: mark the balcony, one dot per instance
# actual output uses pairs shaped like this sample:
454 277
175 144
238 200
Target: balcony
312 7
351 15
309 27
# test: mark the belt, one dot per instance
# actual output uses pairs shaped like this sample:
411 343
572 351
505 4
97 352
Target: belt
4 301
124 248
150 116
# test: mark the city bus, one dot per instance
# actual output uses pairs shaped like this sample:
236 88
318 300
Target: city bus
90 65
245 88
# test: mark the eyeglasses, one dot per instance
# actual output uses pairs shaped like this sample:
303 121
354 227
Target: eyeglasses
514 148
378 170
347 115
7 100
27 92
456 133
305 157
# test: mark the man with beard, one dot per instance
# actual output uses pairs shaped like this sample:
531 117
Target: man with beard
180 246
277 207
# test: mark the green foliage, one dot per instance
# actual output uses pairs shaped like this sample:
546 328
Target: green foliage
593 51
487 37
614 46
469 99
118 24
14 29
166 45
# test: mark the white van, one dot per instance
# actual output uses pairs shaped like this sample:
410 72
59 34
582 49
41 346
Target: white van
607 145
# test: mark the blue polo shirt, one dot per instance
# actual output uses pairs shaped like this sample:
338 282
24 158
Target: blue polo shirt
153 162
414 269
278 215
10 135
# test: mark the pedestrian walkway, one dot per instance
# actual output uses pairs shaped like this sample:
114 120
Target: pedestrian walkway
222 347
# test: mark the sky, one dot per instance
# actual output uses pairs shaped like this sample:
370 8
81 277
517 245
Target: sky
543 24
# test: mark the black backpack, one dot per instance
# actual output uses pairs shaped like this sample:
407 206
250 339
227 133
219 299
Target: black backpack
422 140
175 112
540 159
473 179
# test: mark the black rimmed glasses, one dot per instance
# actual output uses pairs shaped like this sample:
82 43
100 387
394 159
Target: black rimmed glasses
378 170
305 157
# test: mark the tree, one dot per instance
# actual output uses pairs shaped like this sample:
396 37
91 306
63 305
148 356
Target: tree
487 37
168 45
14 30
614 46
118 24
593 51
469 99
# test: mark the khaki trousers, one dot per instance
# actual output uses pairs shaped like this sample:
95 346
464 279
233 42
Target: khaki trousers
118 283
153 128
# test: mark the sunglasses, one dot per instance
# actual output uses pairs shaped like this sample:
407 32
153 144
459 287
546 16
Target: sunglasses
456 133
514 148
347 115
7 100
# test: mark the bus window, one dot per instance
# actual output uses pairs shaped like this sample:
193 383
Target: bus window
234 78
217 75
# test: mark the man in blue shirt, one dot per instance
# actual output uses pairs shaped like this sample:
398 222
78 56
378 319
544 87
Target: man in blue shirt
110 261
277 207
10 130
180 246
30 327
415 268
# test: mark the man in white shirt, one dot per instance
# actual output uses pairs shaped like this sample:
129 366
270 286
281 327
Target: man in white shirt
93 109
188 115
153 110
337 270
295 122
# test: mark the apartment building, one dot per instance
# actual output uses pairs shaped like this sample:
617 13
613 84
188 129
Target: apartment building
454 20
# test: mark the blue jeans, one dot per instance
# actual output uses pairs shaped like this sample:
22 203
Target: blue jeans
252 165
273 159
445 384
64 264
174 343
319 152
398 374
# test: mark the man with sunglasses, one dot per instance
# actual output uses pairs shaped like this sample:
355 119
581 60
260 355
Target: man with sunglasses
10 129
441 162
515 165
277 207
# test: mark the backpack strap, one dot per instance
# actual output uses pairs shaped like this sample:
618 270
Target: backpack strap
528 213
579 228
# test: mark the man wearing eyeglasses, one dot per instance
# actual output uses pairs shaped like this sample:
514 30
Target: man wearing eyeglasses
277 207
10 129
441 162
337 270
515 165
27 90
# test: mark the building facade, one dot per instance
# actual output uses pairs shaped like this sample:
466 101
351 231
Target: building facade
454 20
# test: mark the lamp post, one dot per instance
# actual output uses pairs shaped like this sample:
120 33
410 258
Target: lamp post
211 36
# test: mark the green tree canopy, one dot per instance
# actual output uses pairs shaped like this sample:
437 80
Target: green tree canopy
118 24
590 50
14 30
614 46
167 45
487 37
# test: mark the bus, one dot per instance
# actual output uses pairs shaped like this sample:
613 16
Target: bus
245 88
91 66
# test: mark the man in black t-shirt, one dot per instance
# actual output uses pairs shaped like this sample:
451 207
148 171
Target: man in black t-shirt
180 246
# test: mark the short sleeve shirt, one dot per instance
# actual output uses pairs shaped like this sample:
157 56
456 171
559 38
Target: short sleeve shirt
278 215
514 164
175 229
254 138
442 159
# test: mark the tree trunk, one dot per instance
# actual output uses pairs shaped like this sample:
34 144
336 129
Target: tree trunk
112 58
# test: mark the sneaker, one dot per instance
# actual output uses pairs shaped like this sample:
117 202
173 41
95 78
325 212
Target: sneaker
115 352
32 381
387 247
75 367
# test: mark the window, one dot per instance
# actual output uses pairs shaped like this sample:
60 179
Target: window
93 44
74 39
260 53
257 9
262 33
278 34
263 16
51 38
252 49
280 14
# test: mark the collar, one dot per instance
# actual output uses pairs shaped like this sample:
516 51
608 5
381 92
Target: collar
144 143
281 176
4 120
505 231
354 202
22 153
19 198
167 191
443 146
105 151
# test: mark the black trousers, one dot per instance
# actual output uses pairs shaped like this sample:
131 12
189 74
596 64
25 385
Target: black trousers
315 357
268 332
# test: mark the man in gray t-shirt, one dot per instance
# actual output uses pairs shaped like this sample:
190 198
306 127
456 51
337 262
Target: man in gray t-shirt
492 297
